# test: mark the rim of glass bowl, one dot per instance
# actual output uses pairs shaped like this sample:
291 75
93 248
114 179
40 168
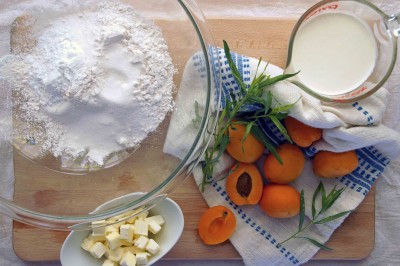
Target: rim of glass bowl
151 198
337 98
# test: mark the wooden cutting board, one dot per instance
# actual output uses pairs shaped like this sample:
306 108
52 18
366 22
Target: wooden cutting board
268 38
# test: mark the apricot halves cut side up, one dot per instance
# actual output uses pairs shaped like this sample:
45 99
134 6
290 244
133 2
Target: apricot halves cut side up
245 149
216 225
244 185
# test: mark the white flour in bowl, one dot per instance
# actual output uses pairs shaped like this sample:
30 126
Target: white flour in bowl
95 82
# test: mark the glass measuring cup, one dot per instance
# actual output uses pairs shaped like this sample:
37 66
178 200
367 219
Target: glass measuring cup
321 57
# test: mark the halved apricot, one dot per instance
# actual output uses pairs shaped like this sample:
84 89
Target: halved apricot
244 185
301 134
293 162
245 149
216 225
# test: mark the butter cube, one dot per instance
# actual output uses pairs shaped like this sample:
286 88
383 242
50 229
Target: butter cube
98 228
119 216
126 232
111 220
115 254
157 218
109 263
129 213
97 238
152 247
97 223
98 250
113 240
141 258
128 259
131 220
133 249
130 217
110 228
154 227
117 225
141 228
87 244
141 242
143 215
124 216
126 243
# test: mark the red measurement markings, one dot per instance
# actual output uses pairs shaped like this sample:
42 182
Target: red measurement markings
348 96
322 9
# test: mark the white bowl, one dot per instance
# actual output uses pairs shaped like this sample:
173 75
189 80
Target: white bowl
73 255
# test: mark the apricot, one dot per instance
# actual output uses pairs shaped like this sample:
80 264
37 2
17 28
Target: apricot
216 225
280 201
334 164
245 149
293 161
301 134
244 185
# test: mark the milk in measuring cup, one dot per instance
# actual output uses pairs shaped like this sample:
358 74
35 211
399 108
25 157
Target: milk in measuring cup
334 52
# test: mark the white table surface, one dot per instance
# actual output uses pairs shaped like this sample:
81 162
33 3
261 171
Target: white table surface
387 238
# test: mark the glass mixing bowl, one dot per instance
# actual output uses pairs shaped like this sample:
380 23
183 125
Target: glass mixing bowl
60 192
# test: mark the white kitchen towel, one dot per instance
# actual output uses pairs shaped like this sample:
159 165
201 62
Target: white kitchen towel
356 126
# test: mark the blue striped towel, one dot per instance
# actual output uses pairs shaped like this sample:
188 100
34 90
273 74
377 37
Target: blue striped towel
345 127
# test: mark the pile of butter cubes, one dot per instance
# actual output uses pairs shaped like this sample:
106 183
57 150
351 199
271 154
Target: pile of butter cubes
127 242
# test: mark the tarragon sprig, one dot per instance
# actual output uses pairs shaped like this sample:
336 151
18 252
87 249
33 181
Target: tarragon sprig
233 113
327 202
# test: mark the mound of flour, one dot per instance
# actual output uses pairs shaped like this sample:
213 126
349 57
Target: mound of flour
95 82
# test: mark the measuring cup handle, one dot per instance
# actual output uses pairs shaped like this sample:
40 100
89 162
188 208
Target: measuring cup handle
394 22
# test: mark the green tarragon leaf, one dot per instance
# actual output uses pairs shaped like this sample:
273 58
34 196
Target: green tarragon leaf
276 79
258 134
315 242
234 70
314 198
268 100
302 210
280 127
248 130
332 217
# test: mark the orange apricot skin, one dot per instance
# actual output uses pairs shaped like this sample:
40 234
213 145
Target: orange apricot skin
280 201
216 225
247 151
256 184
301 134
293 164
329 164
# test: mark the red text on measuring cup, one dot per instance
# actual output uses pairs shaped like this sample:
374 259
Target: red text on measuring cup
321 9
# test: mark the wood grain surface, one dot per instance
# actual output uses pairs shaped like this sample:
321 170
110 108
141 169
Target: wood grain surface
268 38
